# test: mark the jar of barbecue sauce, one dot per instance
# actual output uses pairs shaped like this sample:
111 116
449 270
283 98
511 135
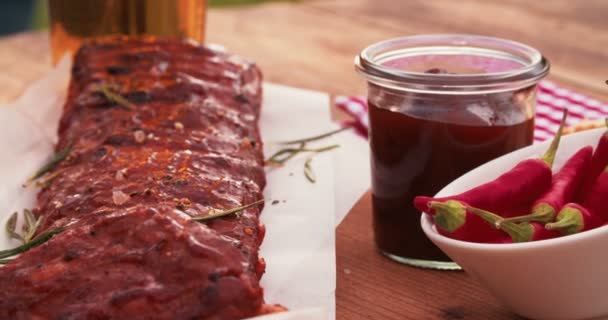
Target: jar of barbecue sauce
439 106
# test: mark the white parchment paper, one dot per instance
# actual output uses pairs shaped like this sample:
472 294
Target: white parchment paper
299 247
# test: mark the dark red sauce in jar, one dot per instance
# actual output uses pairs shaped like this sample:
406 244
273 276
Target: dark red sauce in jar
416 156
435 115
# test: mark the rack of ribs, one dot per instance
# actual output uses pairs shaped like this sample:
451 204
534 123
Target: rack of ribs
185 143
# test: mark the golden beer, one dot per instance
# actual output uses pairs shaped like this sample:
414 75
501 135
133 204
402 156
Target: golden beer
74 21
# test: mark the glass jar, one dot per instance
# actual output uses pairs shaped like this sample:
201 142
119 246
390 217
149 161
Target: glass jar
439 106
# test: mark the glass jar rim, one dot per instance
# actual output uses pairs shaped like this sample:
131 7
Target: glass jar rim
370 64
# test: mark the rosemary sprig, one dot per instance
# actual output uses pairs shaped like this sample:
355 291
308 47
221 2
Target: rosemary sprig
53 162
34 243
308 172
213 214
30 226
115 97
315 138
281 156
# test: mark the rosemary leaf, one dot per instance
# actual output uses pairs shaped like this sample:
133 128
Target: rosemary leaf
38 223
55 160
323 149
47 179
5 261
283 155
34 243
213 214
31 225
30 220
279 158
11 225
314 138
308 172
115 97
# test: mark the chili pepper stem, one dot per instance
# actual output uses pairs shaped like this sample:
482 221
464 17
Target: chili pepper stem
491 218
569 221
518 233
549 155
449 215
543 213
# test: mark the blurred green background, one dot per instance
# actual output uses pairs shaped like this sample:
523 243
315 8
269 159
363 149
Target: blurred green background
22 15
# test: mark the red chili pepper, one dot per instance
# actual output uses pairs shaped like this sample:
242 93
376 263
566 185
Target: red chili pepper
563 188
515 188
453 220
596 200
517 232
592 213
599 161
574 218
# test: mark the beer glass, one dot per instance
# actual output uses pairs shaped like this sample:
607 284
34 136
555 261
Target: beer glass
75 21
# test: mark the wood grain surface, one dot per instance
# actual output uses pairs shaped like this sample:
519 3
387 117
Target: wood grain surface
311 44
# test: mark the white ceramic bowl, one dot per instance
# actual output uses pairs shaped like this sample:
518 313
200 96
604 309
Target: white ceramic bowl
563 278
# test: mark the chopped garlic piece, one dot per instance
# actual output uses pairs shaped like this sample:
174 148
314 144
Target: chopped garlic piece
140 136
119 197
121 174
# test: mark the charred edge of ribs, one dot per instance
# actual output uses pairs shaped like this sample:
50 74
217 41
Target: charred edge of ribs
191 144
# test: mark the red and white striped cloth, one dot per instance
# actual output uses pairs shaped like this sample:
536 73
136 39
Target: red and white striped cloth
552 99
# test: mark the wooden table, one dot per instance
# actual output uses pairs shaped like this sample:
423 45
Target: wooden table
311 44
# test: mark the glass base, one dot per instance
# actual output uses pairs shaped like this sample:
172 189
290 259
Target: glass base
427 264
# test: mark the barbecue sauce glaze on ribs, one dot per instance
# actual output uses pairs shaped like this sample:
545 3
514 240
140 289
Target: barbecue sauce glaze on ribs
132 181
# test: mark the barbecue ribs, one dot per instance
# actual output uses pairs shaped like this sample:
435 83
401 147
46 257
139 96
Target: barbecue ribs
186 142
